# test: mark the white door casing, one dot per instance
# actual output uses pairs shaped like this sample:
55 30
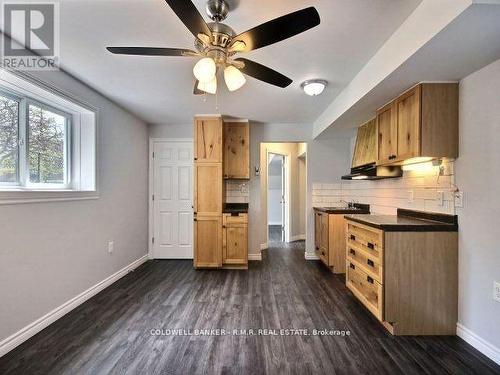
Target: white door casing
172 199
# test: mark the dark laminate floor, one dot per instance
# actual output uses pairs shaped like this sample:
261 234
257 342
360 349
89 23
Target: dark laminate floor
110 334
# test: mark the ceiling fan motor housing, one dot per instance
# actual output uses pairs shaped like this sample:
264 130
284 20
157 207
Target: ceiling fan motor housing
217 10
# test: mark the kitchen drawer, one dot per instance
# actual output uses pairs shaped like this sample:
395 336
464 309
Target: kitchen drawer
366 289
371 238
235 218
370 264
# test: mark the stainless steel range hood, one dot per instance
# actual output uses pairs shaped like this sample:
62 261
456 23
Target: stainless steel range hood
373 172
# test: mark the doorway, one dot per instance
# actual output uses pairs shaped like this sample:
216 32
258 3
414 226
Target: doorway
276 197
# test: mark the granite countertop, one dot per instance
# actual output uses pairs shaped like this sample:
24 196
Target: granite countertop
357 209
235 208
409 221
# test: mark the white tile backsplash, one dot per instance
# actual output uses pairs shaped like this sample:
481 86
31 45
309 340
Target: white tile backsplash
237 191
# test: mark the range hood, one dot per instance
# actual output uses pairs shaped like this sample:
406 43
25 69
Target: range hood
373 172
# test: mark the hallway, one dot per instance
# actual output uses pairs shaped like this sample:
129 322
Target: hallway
111 333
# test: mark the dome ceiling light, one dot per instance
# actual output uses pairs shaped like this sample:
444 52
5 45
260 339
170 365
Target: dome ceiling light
314 87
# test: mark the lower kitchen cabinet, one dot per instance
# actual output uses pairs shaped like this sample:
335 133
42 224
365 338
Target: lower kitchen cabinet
329 237
407 279
235 240
207 242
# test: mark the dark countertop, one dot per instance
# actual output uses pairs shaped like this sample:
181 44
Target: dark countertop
235 208
409 221
357 209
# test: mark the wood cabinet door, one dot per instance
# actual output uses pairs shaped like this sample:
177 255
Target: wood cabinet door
208 241
323 248
236 150
208 189
235 244
317 231
387 134
337 243
408 118
365 150
208 140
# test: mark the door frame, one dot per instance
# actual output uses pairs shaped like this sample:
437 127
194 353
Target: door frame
152 142
286 162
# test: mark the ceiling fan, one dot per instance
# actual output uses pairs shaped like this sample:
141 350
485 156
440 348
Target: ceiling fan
217 43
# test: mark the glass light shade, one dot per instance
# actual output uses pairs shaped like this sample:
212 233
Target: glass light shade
205 70
313 88
209 87
234 78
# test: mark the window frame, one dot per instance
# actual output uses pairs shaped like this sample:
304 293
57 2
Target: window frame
22 179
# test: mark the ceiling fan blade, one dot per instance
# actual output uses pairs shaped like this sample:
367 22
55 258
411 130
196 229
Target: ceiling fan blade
151 51
196 90
278 29
264 73
189 15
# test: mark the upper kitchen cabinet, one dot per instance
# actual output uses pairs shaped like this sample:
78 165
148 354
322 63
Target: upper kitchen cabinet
365 151
236 150
208 139
422 122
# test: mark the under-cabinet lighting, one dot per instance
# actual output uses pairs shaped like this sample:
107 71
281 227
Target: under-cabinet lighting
425 165
360 177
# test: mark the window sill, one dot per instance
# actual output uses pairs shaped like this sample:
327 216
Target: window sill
22 196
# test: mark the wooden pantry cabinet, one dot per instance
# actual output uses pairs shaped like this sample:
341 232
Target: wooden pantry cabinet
236 150
422 122
208 139
407 280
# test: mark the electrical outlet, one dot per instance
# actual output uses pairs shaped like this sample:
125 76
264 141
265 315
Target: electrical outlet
410 196
496 291
440 198
459 199
111 247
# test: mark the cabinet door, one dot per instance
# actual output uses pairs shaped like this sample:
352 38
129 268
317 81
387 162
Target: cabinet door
235 244
337 243
365 151
208 242
387 134
208 140
408 115
236 150
323 248
317 231
208 189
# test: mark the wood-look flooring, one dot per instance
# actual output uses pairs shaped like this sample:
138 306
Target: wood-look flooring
110 333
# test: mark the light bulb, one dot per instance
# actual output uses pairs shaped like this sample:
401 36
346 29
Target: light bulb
205 70
209 87
234 78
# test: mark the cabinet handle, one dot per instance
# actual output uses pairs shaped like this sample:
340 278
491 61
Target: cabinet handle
223 226
195 219
317 247
352 266
353 237
370 245
352 252
195 213
322 253
319 214
369 279
195 158
370 263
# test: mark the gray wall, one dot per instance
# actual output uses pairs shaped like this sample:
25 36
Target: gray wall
477 166
51 252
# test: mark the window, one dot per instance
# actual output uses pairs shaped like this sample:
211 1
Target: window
35 145
47 143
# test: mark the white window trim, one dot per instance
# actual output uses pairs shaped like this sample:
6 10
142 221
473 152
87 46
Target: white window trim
85 126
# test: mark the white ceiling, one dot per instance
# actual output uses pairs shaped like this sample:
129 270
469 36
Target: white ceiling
159 89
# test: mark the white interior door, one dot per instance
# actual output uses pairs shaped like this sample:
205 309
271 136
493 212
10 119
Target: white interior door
172 200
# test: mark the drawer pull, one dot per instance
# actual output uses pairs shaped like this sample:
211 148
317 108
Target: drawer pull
370 263
323 253
370 245
317 247
352 252
369 279
353 237
352 266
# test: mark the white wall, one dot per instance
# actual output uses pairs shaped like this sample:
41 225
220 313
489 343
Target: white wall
51 252
477 175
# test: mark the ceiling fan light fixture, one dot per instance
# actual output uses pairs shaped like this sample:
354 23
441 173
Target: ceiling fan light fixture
314 87
205 70
234 78
208 87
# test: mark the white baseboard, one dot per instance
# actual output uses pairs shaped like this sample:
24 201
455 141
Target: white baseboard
32 329
255 256
264 246
299 237
310 256
488 349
